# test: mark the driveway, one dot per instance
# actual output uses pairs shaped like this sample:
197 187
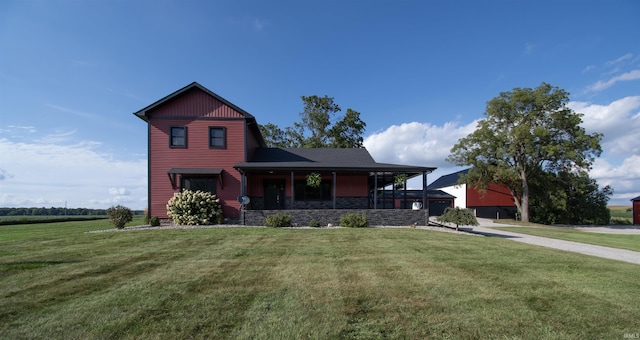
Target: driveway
577 247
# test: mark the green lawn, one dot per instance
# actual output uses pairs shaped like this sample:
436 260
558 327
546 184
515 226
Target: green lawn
255 283
631 242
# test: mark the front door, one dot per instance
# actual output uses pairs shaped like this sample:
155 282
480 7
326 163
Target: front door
274 194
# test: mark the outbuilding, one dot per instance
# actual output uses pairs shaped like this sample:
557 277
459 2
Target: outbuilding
636 210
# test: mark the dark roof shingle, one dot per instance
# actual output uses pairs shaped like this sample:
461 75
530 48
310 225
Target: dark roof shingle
310 159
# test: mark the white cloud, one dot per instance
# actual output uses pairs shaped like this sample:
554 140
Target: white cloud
619 121
601 85
52 174
416 143
619 60
623 178
119 191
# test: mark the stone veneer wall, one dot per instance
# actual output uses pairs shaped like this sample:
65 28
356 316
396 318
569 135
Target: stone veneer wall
376 217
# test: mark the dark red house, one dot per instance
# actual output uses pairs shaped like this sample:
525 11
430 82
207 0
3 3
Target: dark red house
496 202
200 141
636 210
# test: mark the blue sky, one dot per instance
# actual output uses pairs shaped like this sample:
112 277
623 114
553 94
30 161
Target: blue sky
419 72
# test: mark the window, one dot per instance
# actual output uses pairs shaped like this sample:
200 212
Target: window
217 137
306 193
178 137
195 183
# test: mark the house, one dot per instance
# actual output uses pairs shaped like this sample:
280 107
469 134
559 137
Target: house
496 202
636 210
200 141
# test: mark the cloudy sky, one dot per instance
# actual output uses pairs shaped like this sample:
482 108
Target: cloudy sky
420 72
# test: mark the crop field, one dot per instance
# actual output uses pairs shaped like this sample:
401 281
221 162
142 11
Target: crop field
59 282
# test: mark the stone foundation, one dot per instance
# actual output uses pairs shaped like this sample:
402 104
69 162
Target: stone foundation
375 217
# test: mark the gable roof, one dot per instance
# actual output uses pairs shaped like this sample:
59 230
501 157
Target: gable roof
447 180
319 159
249 118
636 199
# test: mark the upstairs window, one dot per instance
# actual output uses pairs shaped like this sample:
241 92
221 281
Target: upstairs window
178 137
217 137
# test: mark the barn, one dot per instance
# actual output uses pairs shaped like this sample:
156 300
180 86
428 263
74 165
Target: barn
495 202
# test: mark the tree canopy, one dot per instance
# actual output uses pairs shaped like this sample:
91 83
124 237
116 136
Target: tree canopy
525 133
315 130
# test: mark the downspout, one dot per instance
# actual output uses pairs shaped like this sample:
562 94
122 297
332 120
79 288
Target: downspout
149 167
334 189
375 190
293 191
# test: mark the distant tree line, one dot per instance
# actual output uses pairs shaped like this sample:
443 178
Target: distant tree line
53 211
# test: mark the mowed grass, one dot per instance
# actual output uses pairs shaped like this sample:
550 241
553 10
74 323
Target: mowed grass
622 241
255 283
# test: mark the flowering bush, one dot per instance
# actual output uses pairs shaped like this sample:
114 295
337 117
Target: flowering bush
194 208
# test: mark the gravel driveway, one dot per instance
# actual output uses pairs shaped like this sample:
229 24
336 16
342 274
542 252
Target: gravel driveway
577 247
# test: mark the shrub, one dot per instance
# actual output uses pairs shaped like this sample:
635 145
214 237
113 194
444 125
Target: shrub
194 208
458 216
314 224
279 220
120 216
147 218
620 220
354 221
154 221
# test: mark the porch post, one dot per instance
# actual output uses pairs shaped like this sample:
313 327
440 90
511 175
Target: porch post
375 190
334 189
293 191
405 193
425 204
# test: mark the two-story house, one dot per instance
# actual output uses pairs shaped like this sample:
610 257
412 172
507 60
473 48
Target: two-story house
200 141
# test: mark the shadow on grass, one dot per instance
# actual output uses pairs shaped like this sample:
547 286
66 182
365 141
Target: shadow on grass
21 265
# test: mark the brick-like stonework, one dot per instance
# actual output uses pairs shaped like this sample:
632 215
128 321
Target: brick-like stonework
375 217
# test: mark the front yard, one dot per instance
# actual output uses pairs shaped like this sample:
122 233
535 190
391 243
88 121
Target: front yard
59 282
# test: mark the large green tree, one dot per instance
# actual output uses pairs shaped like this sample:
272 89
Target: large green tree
524 132
316 130
568 198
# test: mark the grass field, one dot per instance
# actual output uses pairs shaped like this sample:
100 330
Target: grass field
621 212
8 220
56 281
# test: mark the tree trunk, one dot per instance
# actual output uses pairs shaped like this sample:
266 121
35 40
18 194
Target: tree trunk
524 209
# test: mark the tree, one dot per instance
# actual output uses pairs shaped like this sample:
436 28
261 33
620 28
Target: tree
526 131
569 198
315 130
458 216
347 133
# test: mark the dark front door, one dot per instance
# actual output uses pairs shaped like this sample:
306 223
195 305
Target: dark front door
274 194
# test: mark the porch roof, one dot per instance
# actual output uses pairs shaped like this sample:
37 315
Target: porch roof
323 159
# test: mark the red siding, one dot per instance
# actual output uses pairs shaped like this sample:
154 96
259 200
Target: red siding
195 103
196 155
636 212
352 186
495 196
